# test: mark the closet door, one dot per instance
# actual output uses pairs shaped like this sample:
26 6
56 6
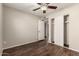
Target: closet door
58 31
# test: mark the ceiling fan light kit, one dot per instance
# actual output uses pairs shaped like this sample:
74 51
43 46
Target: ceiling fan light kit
43 8
44 11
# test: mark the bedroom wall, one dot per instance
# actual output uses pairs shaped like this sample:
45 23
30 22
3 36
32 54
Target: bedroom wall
73 13
19 27
0 29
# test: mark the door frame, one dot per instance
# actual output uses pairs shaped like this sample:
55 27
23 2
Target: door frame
52 30
39 31
66 28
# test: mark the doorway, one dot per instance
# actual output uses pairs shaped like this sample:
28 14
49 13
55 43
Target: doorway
46 29
52 30
66 27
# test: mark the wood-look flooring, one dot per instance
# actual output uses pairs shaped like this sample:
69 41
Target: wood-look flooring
39 48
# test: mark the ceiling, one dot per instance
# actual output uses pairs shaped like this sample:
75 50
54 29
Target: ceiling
28 7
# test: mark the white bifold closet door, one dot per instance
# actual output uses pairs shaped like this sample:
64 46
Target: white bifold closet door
40 30
58 30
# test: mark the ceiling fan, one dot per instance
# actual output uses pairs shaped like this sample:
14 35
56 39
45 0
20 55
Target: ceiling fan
44 7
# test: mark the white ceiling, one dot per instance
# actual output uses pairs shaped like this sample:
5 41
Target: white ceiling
28 7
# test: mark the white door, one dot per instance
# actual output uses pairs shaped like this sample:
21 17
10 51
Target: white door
58 30
40 30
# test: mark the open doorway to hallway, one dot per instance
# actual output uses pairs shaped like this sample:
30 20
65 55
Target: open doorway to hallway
66 27
52 30
46 29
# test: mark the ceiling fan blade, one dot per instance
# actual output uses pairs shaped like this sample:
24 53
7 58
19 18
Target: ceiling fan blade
42 3
39 3
52 7
36 9
47 3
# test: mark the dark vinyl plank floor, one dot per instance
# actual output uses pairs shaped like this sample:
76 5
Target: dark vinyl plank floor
39 48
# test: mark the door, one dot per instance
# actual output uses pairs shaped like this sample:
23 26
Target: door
58 31
40 30
66 41
46 29
52 30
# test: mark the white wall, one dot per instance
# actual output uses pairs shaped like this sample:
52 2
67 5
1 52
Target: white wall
0 29
19 27
73 12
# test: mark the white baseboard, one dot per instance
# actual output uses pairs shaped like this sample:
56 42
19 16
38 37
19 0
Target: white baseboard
37 40
67 48
74 49
18 45
49 41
